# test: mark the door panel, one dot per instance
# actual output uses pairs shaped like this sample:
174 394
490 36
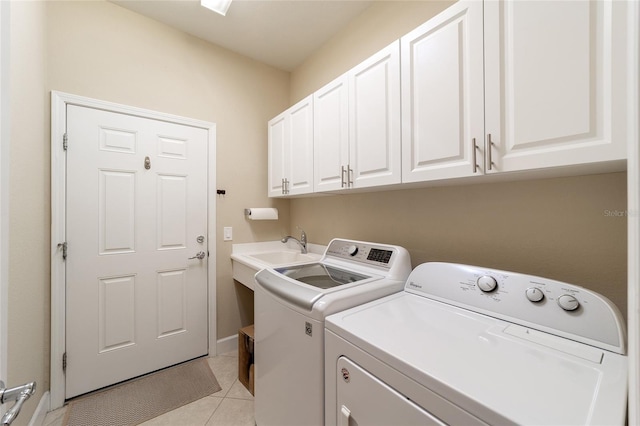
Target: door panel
116 312
137 201
116 204
172 212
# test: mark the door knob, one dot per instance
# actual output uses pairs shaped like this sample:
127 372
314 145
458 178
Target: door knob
200 255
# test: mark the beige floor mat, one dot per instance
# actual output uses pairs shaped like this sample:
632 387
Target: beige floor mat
144 398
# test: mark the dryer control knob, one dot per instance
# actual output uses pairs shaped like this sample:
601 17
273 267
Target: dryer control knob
487 283
568 302
534 294
352 250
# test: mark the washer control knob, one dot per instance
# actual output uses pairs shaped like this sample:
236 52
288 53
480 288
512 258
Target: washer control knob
487 283
352 250
568 302
534 294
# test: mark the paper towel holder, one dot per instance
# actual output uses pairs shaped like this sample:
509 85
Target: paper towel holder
261 213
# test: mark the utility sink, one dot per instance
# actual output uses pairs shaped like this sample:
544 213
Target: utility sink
283 257
249 258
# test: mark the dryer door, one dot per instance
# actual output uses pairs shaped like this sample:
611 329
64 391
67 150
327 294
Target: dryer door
365 400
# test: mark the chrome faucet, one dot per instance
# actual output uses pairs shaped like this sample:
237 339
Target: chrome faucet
302 242
18 394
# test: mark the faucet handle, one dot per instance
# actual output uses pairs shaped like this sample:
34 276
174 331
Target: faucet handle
303 235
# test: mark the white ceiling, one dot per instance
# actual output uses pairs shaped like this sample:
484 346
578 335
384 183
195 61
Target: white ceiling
280 33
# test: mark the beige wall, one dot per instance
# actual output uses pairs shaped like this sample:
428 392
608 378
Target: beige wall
28 316
99 50
556 228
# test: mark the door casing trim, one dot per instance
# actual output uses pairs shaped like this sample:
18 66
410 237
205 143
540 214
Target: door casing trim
59 102
5 135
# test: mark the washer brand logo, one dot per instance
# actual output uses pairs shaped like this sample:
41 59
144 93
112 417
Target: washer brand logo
345 375
308 328
414 285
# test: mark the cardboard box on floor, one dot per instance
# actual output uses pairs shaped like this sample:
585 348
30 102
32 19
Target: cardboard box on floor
245 357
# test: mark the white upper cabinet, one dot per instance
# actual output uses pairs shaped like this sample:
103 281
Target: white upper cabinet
442 96
357 125
555 79
481 88
556 83
278 145
331 135
290 151
374 120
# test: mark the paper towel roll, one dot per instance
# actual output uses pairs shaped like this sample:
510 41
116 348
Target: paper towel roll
262 213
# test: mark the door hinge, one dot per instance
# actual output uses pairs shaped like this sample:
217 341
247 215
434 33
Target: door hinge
64 362
65 141
63 246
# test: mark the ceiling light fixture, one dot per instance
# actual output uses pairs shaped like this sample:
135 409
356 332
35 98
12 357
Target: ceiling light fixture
218 6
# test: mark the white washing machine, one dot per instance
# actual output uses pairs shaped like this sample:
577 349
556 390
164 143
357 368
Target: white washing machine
291 304
466 345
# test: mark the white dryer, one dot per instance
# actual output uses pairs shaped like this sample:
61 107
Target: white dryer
470 345
291 304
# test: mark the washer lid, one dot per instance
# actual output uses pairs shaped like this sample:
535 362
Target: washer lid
470 360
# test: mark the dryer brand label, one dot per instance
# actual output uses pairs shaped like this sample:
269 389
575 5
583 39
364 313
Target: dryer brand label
414 285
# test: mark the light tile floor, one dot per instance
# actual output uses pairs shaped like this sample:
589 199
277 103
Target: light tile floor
231 406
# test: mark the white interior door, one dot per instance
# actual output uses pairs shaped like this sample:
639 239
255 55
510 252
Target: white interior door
136 205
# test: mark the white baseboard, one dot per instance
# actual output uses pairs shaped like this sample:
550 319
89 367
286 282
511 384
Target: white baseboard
41 410
228 344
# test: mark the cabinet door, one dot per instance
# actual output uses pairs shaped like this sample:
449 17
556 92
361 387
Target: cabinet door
374 119
299 168
555 82
278 140
331 135
442 95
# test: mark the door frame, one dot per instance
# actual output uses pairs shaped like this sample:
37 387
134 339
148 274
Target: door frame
59 102
633 217
5 136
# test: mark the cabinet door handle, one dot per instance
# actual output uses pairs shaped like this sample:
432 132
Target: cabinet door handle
350 176
489 148
474 155
282 181
342 178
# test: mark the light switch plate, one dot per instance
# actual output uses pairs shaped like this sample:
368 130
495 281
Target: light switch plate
228 233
